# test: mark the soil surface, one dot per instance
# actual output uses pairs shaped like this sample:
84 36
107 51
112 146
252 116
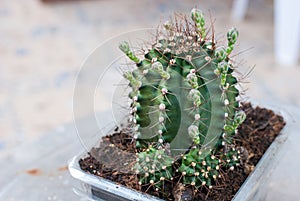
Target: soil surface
115 157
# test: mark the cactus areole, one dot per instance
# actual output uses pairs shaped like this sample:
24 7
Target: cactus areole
184 108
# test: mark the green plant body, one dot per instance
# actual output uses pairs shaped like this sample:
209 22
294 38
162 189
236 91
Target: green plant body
184 108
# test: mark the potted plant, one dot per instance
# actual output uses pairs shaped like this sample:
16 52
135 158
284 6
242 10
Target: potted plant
181 141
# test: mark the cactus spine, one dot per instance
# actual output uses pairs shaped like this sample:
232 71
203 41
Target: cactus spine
184 105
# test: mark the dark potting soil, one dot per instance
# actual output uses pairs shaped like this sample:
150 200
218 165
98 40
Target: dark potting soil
115 157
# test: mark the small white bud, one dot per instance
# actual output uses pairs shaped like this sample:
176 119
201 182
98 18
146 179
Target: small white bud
193 131
151 181
162 178
203 183
162 107
197 117
193 164
163 167
183 173
167 50
134 109
231 168
160 141
172 44
207 58
161 119
217 167
193 183
226 114
193 71
164 91
147 159
160 132
153 60
209 46
226 102
145 71
226 86
217 72
172 61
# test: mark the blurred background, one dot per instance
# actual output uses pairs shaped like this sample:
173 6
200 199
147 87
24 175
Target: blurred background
44 43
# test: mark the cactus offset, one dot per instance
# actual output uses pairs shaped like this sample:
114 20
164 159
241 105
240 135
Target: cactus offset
184 104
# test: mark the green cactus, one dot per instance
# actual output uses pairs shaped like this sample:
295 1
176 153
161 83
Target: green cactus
184 104
154 165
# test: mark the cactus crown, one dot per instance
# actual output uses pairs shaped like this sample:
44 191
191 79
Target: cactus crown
184 107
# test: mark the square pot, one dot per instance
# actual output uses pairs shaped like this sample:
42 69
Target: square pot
252 189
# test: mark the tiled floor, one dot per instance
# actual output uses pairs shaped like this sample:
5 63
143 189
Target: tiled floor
42 47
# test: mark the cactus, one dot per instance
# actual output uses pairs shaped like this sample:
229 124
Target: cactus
184 107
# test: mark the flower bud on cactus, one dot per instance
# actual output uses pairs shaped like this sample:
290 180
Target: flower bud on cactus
184 104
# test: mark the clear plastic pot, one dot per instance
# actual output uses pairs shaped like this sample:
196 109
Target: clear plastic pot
253 189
